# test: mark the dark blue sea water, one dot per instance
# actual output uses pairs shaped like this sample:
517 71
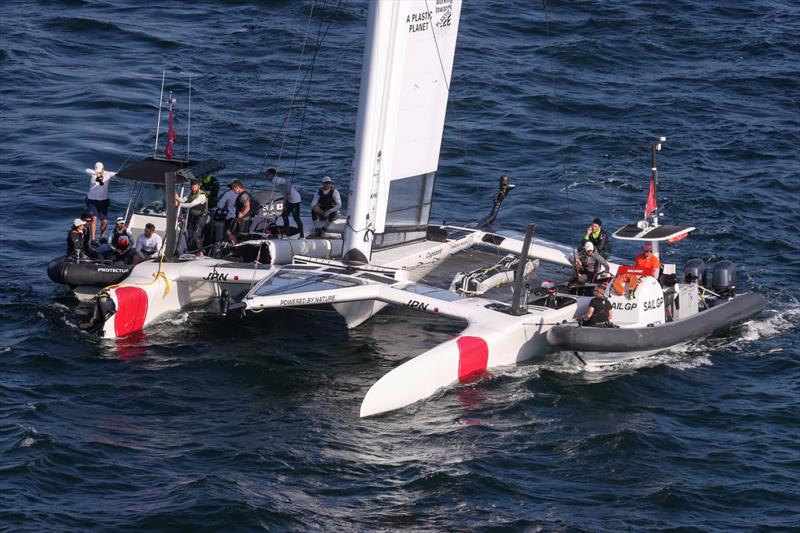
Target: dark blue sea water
202 423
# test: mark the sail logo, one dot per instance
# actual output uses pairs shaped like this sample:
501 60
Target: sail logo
624 307
444 9
418 21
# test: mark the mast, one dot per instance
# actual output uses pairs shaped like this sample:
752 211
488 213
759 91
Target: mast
405 78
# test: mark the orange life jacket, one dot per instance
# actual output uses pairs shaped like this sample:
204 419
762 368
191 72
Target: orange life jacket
625 281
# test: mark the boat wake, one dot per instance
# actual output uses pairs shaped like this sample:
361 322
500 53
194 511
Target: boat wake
777 322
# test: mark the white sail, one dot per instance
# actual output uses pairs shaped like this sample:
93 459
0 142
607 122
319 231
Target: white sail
408 58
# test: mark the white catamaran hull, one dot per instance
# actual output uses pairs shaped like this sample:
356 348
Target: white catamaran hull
153 290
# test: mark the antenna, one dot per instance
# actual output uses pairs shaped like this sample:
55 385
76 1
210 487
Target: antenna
655 146
189 126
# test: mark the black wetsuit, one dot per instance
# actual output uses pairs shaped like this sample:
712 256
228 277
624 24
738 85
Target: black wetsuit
599 317
75 245
241 201
602 244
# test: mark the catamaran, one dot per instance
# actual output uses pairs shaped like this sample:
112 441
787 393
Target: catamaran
388 244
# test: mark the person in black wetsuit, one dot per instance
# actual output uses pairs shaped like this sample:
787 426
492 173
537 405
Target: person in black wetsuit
596 235
88 249
75 240
599 313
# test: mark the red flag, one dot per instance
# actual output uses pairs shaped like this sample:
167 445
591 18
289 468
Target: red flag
169 150
651 199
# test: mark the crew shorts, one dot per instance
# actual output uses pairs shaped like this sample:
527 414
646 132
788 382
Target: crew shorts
97 208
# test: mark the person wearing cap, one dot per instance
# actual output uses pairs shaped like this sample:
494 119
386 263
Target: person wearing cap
647 259
97 198
598 314
596 235
588 264
75 240
325 206
120 243
197 204
226 208
291 200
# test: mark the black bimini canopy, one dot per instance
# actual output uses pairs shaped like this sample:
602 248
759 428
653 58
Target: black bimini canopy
152 170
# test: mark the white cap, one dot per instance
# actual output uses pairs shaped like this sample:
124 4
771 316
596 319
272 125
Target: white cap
78 222
326 179
98 167
120 219
588 246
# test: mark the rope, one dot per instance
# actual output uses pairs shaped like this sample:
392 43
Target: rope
320 38
282 131
452 106
158 275
570 218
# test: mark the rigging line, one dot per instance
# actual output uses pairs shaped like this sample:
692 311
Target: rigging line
570 218
295 90
298 85
452 105
320 40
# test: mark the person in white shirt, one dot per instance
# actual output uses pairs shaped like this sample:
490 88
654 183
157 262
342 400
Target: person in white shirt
226 207
97 198
148 244
291 200
325 206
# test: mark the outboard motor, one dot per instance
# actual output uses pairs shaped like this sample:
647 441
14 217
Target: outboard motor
724 279
695 271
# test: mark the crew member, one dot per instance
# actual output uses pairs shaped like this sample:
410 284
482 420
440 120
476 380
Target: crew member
197 204
226 209
120 243
589 264
243 216
75 240
291 200
325 206
88 248
598 314
210 185
148 244
596 235
97 198
647 259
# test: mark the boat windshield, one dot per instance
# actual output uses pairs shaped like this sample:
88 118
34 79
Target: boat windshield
150 201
